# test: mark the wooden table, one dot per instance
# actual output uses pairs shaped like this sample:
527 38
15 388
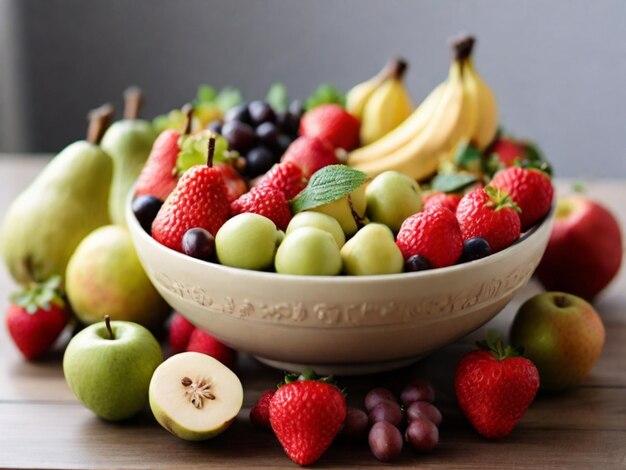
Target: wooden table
43 426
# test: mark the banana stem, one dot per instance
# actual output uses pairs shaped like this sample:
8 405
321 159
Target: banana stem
394 69
133 100
462 47
99 120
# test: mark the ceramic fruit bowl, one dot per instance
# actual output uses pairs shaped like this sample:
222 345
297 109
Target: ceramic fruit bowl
340 324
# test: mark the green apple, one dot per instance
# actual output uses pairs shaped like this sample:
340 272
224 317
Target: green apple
562 334
391 198
372 250
195 396
318 220
108 366
104 277
308 251
342 210
247 241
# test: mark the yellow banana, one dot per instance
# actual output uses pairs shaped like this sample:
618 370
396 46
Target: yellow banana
453 119
487 123
387 107
358 96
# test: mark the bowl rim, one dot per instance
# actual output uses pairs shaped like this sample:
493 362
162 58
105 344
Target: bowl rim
429 273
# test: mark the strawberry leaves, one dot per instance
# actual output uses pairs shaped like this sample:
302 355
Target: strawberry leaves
40 296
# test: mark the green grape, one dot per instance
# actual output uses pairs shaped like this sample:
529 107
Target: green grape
194 148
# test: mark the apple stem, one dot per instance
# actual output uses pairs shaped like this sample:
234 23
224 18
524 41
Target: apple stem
209 160
188 112
133 99
99 120
561 301
107 322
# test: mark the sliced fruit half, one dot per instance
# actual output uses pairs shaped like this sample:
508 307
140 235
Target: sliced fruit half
194 396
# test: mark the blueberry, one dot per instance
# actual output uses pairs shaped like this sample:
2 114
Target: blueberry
259 160
198 243
268 134
215 126
145 209
416 263
261 112
475 248
238 113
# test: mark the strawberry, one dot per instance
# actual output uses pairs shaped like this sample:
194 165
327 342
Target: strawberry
449 201
530 189
310 154
199 200
260 412
235 185
489 213
157 178
179 333
286 177
306 415
494 387
266 201
508 150
333 124
37 317
204 343
433 234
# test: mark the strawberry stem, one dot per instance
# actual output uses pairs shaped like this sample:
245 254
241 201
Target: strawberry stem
494 344
107 322
188 112
209 160
500 199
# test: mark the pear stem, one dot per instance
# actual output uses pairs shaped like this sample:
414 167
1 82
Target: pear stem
462 47
358 220
99 120
107 322
209 160
133 100
188 112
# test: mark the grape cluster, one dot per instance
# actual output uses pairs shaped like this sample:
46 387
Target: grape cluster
385 418
259 133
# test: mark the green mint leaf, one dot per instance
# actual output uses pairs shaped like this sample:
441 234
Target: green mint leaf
277 97
468 157
206 94
227 98
325 93
327 185
452 182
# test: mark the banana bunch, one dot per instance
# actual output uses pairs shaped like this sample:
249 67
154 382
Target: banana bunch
380 103
463 108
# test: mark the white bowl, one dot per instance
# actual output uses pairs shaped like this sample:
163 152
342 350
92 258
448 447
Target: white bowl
339 324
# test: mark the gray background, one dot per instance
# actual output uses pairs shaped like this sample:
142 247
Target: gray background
558 67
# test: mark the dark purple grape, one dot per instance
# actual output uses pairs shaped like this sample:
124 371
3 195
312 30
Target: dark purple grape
296 110
422 435
268 134
145 209
423 409
416 263
198 243
283 142
376 395
386 410
259 160
475 248
261 112
215 126
417 390
240 136
385 441
238 113
355 425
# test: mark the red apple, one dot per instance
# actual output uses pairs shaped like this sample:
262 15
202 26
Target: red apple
585 249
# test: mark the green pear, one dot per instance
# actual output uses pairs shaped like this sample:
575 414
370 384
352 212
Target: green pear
318 220
68 200
128 142
347 210
308 251
104 277
372 250
392 197
108 367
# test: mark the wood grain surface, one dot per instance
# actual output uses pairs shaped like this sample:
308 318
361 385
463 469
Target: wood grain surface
43 426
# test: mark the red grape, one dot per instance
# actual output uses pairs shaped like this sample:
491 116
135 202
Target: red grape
355 425
385 441
376 395
422 434
386 410
198 243
417 390
423 409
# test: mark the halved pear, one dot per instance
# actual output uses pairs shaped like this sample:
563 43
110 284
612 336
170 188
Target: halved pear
194 396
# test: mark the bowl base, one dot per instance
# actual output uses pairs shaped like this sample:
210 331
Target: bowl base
342 369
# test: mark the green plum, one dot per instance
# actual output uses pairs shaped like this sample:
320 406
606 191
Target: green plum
391 198
308 251
247 241
108 366
318 220
372 250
